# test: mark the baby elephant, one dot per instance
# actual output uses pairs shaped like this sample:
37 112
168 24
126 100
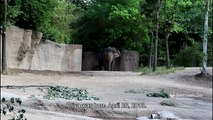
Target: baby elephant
107 58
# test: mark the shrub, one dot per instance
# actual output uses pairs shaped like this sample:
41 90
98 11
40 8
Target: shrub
188 57
169 103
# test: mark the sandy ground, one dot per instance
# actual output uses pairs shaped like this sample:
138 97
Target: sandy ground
193 95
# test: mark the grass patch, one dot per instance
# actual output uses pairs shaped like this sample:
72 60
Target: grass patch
68 93
169 103
162 94
159 70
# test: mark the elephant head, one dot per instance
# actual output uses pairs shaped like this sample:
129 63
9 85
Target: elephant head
107 58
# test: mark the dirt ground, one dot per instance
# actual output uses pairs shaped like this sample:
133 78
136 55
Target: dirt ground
193 95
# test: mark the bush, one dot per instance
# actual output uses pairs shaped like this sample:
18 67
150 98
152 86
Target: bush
189 57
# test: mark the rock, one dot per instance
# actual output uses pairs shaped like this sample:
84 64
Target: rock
165 115
161 115
155 116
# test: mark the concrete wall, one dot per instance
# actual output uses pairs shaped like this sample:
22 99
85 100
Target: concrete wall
25 50
90 61
129 61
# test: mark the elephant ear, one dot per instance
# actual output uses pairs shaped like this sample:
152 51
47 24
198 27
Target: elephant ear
117 54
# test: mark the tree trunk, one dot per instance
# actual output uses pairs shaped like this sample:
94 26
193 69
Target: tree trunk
166 36
151 51
4 64
205 39
167 51
156 36
1 48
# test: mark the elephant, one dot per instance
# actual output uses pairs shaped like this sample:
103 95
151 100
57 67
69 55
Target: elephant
107 58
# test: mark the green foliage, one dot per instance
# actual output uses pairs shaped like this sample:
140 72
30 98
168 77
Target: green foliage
128 27
184 18
34 13
189 57
14 11
148 8
169 20
52 17
10 106
162 94
169 103
113 23
58 26
190 15
68 93
91 27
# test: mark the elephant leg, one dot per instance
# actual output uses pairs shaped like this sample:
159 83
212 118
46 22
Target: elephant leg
112 65
106 66
111 61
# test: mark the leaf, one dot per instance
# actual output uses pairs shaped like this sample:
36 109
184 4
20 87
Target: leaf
12 100
11 108
160 94
21 115
3 99
67 93
4 111
22 111
18 100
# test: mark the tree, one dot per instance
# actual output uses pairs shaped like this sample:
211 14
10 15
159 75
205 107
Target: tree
52 17
113 23
156 35
204 71
148 8
58 25
168 22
